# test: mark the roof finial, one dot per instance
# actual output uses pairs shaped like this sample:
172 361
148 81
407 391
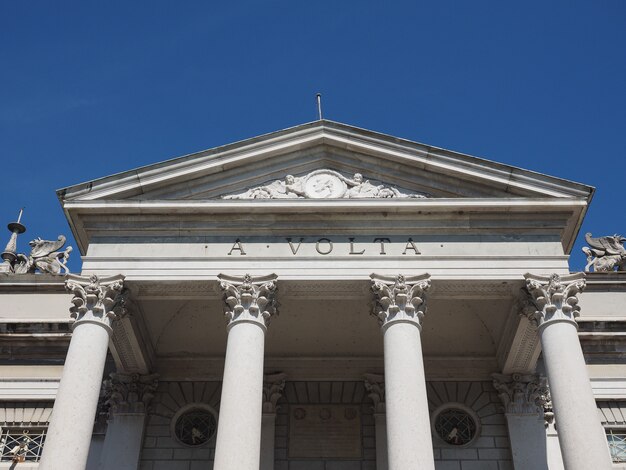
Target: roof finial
9 255
319 106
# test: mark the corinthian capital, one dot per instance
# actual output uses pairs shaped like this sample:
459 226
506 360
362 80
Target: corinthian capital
399 298
96 300
522 393
130 393
273 385
554 297
249 299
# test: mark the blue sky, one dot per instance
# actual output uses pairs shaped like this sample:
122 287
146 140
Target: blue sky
88 89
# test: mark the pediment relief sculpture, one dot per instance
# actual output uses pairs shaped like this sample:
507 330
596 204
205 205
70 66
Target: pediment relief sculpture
605 254
324 184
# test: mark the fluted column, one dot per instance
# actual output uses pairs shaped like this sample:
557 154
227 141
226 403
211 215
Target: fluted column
97 302
523 397
555 308
400 308
375 386
250 305
128 397
273 385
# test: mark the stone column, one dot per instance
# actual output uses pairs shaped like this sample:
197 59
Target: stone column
250 306
524 397
375 386
400 308
273 386
97 302
128 397
555 308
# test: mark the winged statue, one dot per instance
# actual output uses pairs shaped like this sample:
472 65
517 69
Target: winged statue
44 257
605 254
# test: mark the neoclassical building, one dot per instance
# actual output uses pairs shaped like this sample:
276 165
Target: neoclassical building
319 298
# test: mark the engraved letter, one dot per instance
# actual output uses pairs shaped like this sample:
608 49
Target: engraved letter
352 252
324 240
294 249
410 245
237 246
382 242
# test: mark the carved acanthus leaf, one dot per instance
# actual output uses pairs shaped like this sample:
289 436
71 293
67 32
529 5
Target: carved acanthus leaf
130 393
522 393
97 299
273 385
375 386
554 297
323 184
249 299
399 298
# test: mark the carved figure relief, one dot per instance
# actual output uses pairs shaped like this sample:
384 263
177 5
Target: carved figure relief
323 184
605 254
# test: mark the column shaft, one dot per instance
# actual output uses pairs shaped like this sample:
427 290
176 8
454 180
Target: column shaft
71 426
239 428
268 431
380 420
409 440
123 442
527 436
581 437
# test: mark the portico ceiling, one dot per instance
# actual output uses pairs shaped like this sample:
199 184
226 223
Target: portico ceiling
464 324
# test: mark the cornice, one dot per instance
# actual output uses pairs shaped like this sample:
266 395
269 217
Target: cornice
328 133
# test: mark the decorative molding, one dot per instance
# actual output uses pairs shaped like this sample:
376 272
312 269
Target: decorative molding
468 290
605 254
553 297
325 289
399 298
128 356
524 350
522 393
182 289
96 300
129 394
324 184
249 299
273 385
375 386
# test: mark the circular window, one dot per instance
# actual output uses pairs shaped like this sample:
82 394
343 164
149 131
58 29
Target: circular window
455 426
194 426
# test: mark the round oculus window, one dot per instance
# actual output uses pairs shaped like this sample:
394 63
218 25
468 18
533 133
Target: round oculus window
195 427
455 426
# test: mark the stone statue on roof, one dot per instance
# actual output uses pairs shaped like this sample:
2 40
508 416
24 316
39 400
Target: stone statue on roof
605 254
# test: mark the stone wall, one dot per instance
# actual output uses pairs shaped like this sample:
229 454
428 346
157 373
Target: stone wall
160 451
334 393
491 450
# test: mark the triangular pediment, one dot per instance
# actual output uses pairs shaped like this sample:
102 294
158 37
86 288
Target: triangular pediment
324 169
397 165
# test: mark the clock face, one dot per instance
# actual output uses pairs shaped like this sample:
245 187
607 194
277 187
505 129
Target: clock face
324 185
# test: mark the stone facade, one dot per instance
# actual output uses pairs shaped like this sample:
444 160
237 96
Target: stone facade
319 298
